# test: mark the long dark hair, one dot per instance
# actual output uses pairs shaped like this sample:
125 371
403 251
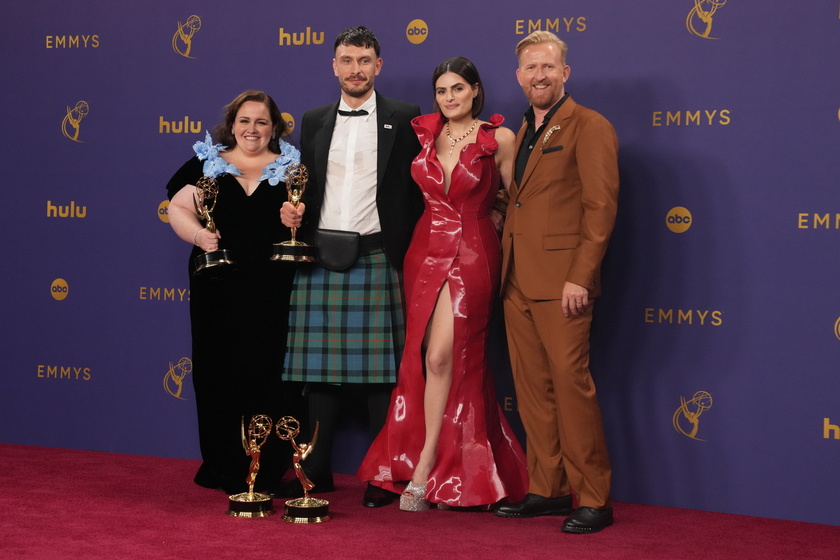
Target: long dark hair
467 70
222 132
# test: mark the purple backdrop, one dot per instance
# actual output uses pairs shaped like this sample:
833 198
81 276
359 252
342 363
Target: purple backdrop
716 343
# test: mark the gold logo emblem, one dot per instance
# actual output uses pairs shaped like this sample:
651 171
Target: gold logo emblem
417 31
837 328
59 289
678 219
72 120
687 417
307 37
173 381
702 14
290 123
163 211
182 40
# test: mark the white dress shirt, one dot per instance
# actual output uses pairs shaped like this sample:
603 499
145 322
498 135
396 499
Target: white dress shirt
350 196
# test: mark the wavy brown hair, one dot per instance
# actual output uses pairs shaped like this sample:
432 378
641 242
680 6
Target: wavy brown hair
222 132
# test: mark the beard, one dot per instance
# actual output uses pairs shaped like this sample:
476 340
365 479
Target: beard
356 90
542 99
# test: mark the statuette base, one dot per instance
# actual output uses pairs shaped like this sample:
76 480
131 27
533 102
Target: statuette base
306 510
293 251
249 505
211 260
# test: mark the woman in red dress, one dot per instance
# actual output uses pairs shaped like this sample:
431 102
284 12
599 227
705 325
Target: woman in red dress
446 440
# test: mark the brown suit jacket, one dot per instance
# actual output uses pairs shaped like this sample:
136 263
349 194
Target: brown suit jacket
560 217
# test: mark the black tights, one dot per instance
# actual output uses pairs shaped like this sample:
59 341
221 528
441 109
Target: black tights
325 407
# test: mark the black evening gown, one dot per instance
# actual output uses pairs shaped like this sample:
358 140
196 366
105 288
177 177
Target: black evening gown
239 325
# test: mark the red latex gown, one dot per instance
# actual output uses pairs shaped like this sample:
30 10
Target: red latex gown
479 461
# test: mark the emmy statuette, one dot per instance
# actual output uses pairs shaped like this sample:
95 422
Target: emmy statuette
306 509
207 191
253 504
294 250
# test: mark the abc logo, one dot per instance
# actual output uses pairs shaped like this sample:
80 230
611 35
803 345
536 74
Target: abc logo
163 211
289 121
59 289
678 219
417 31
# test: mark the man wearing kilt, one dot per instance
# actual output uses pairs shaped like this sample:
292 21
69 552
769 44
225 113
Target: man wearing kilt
347 324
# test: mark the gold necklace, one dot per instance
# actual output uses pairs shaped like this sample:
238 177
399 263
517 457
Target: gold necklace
456 140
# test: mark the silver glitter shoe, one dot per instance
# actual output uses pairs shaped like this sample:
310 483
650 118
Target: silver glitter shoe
412 498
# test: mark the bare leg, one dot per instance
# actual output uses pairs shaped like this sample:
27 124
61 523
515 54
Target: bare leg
438 342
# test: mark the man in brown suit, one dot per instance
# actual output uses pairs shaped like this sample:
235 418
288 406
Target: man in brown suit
562 210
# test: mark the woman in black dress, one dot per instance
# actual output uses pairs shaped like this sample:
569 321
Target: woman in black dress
239 316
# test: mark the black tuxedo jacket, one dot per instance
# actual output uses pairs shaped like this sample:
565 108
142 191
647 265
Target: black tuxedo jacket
398 199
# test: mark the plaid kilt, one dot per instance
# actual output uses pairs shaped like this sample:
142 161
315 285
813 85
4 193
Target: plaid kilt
346 327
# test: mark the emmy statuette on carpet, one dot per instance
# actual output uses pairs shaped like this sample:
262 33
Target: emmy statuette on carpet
294 250
306 509
207 191
253 504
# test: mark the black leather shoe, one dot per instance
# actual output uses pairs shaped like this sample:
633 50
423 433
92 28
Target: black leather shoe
533 506
377 497
588 520
294 489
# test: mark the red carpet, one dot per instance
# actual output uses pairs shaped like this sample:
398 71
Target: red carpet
66 504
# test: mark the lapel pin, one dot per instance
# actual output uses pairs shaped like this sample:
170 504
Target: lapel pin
551 131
